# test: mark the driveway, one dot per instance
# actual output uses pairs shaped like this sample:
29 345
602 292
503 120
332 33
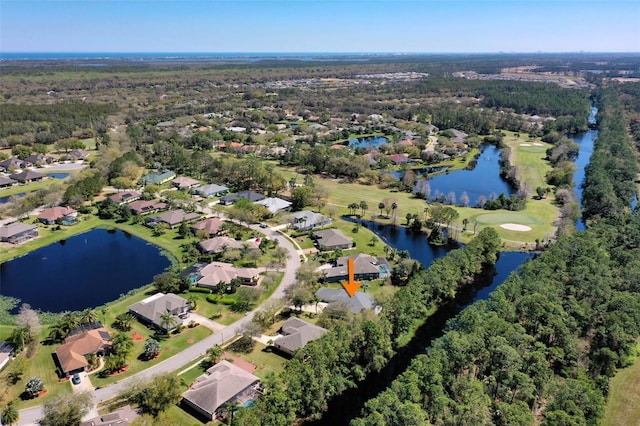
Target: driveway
30 416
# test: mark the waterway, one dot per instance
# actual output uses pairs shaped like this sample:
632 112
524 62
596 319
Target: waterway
585 141
84 271
349 405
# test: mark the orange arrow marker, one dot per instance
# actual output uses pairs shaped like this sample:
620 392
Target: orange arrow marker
352 286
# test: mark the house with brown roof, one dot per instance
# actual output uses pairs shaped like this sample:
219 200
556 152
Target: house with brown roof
125 197
216 273
66 214
211 226
219 245
296 333
76 154
12 164
172 218
27 176
40 159
72 354
183 182
223 383
331 239
18 232
153 309
141 207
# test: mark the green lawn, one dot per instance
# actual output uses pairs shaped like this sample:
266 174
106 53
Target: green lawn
623 402
266 360
528 154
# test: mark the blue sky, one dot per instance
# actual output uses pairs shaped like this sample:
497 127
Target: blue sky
319 26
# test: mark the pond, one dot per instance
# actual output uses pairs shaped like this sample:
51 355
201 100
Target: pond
5 200
367 142
58 175
82 272
484 179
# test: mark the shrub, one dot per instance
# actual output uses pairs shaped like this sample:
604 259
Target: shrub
200 290
33 387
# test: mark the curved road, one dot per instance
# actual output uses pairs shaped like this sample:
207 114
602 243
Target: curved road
30 416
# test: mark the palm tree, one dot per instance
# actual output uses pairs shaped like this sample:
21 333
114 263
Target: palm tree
381 207
363 207
9 414
214 353
394 207
231 407
88 316
168 322
121 344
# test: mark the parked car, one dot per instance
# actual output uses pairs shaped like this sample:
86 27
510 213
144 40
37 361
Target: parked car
75 379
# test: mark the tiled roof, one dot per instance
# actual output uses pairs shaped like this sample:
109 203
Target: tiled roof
71 355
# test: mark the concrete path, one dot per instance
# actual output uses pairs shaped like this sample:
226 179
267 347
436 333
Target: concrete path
30 416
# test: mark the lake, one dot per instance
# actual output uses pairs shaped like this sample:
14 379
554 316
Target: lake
5 200
484 179
82 272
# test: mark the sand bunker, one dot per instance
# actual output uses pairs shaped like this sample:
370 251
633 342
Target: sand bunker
538 144
515 227
525 144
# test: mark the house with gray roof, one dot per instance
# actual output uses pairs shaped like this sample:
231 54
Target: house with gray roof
212 190
125 197
172 218
6 182
296 333
153 309
158 178
249 195
365 267
184 182
223 383
357 303
27 176
275 205
40 159
140 207
18 232
331 239
306 219
121 417
12 163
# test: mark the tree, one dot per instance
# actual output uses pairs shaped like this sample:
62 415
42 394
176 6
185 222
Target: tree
151 348
352 208
214 353
88 316
184 230
123 321
33 387
168 322
28 319
9 414
363 207
121 344
114 362
381 206
156 395
66 409
230 408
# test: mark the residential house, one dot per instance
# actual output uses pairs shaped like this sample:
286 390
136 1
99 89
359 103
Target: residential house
215 273
140 207
6 182
365 267
27 176
400 159
76 154
50 215
18 232
275 205
357 303
184 183
72 354
7 351
125 197
173 218
219 245
121 417
212 190
249 195
296 333
305 220
158 178
212 226
153 310
40 159
331 239
223 383
12 163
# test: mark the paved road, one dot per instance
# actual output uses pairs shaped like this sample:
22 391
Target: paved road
31 416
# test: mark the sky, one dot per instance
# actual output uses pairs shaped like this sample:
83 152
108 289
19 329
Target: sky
263 26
